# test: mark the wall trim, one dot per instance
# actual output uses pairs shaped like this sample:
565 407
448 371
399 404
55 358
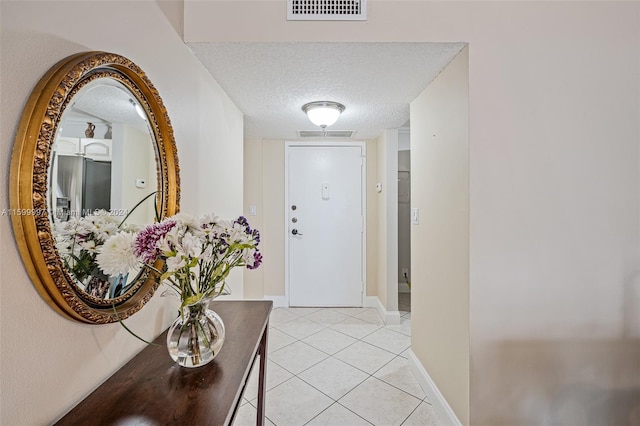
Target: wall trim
434 396
389 317
278 301
391 211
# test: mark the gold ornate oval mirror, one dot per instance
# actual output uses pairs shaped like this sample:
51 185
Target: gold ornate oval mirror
94 153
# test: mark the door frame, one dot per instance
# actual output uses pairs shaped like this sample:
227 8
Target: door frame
363 146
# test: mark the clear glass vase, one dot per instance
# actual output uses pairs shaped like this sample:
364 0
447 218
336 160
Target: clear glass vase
196 336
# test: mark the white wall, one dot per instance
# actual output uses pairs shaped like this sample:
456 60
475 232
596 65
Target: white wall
253 174
133 158
273 184
387 232
373 255
554 187
440 241
49 363
381 208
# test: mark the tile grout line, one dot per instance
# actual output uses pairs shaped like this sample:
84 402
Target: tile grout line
347 408
330 327
338 331
338 359
329 396
332 355
411 413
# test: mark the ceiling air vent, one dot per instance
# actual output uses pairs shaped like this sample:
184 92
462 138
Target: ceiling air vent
326 10
344 134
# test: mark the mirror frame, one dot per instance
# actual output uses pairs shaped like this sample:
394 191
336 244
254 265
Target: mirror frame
28 181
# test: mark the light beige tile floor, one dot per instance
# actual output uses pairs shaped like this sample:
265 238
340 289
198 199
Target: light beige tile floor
338 367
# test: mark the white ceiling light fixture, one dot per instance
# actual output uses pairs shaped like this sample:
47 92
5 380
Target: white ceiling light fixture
138 109
323 113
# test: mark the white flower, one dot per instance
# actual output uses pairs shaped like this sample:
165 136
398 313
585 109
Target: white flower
247 256
225 225
89 246
130 227
191 245
116 255
187 220
63 245
104 230
171 241
210 219
174 263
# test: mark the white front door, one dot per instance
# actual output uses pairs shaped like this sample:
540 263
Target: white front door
325 224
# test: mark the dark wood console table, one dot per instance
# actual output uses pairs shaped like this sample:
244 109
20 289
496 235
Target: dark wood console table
152 389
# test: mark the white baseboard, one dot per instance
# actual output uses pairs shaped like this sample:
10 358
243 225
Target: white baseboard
439 404
278 301
372 302
389 317
392 318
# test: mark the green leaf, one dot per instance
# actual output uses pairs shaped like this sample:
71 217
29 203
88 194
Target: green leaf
136 206
192 299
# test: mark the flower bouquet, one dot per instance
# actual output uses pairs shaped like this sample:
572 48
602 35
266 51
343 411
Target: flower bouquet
78 241
198 254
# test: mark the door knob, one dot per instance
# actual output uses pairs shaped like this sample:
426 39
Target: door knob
295 232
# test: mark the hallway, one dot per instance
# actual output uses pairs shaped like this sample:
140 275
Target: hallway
338 366
404 302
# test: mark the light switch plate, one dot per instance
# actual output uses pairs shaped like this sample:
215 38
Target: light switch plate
325 191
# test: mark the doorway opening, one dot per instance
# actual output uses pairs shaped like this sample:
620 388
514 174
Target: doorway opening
404 221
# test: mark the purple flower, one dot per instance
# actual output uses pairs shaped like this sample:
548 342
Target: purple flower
257 260
145 245
242 221
256 236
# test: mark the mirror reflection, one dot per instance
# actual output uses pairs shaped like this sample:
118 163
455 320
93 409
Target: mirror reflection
102 179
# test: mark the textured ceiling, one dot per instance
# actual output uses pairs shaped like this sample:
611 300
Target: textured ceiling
270 82
106 101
